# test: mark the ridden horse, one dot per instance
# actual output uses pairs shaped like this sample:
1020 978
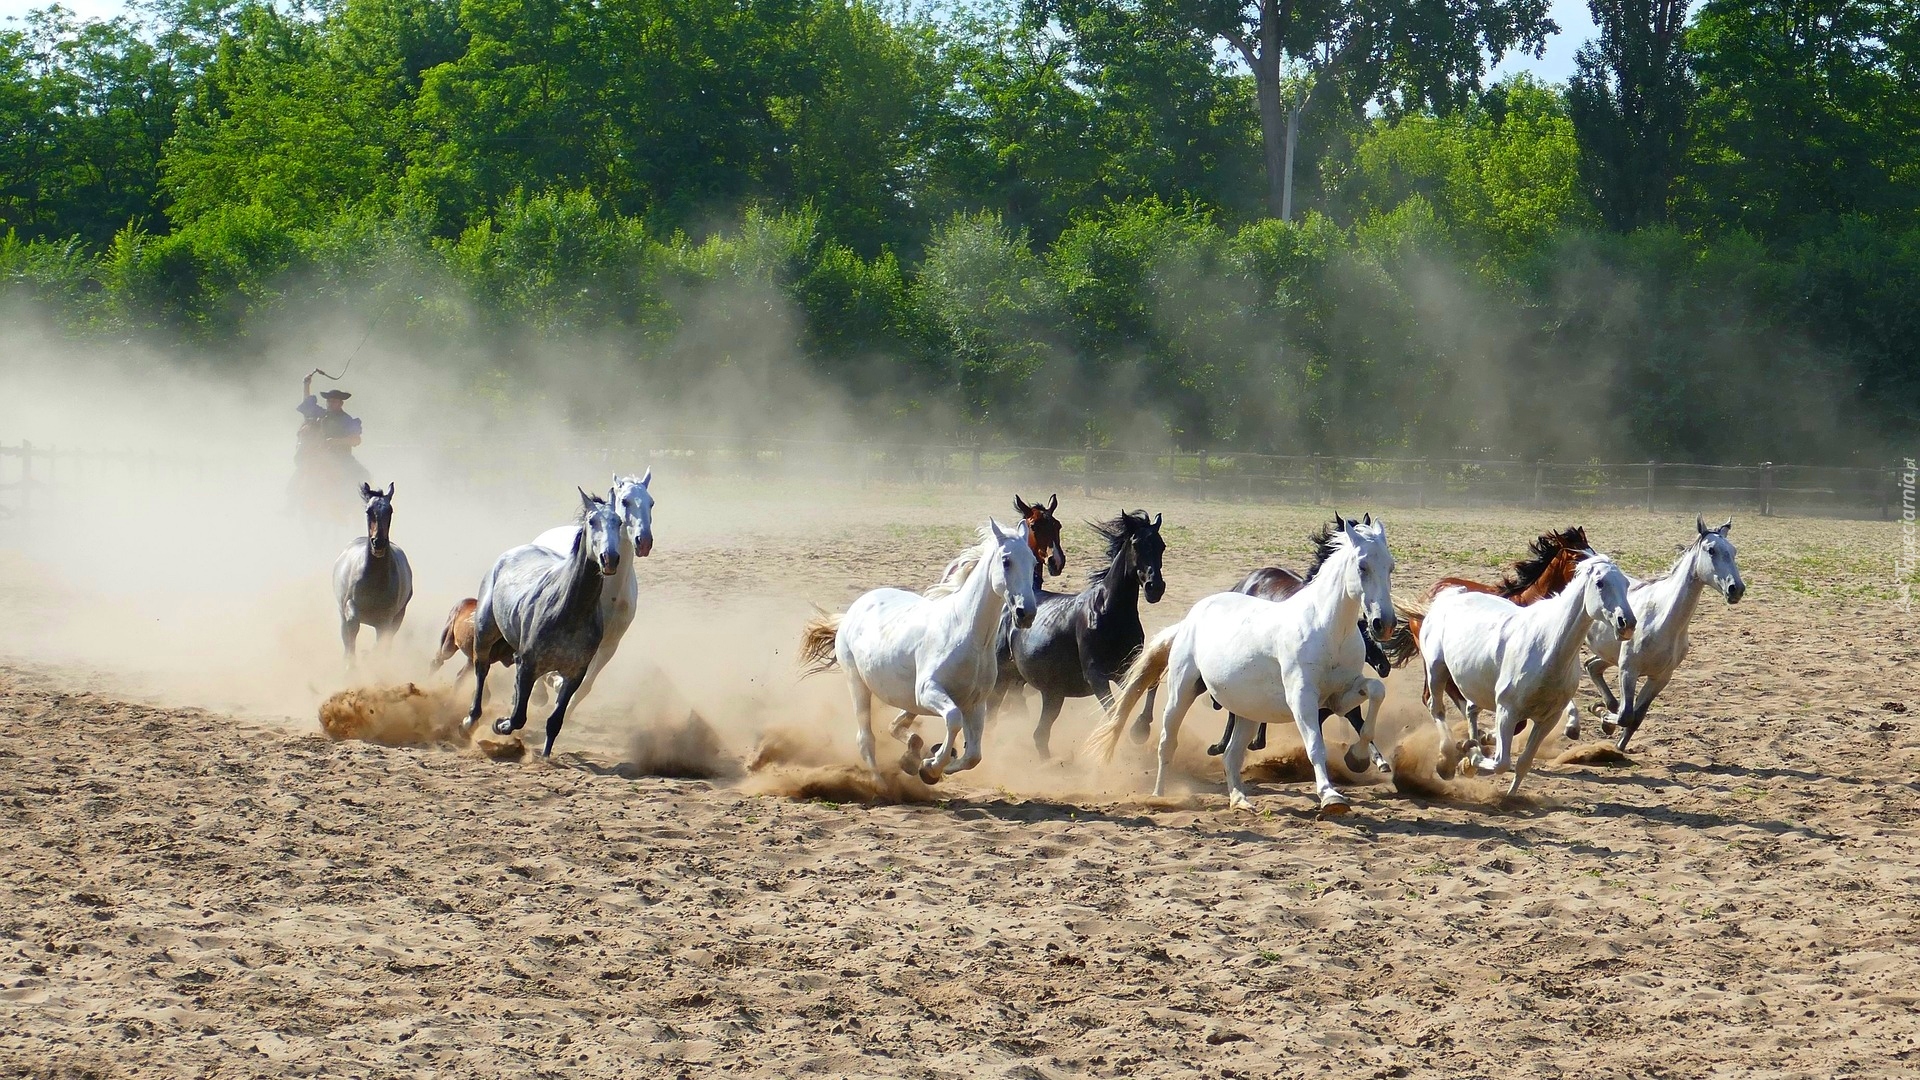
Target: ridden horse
1043 536
545 608
1664 607
372 580
1278 583
1485 652
929 654
1551 559
619 596
1271 662
1079 643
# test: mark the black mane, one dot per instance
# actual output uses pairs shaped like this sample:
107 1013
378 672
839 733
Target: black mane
1540 554
1323 548
1116 533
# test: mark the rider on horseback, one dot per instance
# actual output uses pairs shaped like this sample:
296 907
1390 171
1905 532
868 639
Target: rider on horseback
323 455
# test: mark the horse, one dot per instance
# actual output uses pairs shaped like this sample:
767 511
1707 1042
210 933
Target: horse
1551 560
1486 652
1270 662
456 636
619 597
1079 643
1664 607
1043 536
1278 583
929 654
372 580
545 608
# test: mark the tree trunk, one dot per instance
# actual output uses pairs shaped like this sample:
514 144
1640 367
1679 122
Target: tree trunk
1273 129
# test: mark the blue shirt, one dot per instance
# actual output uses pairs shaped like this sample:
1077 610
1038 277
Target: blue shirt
338 425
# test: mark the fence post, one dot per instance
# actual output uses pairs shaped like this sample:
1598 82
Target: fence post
1426 480
1539 481
1319 490
1650 467
1086 471
976 466
1766 489
1203 474
26 477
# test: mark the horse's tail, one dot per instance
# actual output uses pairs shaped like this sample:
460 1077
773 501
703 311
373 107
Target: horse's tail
1404 643
450 633
1145 673
817 644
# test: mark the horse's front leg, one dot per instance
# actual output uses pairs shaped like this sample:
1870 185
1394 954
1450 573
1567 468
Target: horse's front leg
349 638
1596 669
1304 702
479 667
1363 752
568 688
939 703
1043 731
1535 736
1636 710
975 724
523 680
1505 721
1183 689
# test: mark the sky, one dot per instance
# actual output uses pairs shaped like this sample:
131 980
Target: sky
1576 27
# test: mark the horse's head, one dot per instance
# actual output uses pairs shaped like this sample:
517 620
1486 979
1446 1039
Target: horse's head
1370 572
1134 547
1043 535
634 503
379 518
599 532
1603 592
1013 569
1718 568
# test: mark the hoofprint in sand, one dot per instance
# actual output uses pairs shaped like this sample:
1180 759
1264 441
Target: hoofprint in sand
194 893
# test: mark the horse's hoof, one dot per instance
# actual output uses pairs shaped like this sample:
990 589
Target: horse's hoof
503 726
1139 733
1216 749
1608 727
915 754
929 777
1359 767
1237 801
1333 806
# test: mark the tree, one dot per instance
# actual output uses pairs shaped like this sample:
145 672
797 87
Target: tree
1629 98
1398 54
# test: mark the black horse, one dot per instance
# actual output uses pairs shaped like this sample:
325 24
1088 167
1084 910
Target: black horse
1078 644
1278 583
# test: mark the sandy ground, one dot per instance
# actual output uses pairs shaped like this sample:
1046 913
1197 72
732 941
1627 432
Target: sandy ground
202 884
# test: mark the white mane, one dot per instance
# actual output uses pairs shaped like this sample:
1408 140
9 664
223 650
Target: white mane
955 576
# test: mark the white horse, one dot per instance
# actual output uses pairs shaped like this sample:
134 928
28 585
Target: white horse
1664 607
930 654
619 595
1485 652
372 580
1270 662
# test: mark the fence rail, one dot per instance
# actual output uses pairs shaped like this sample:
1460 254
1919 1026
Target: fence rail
28 473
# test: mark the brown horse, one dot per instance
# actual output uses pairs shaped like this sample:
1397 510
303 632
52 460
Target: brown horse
1043 536
457 637
1551 560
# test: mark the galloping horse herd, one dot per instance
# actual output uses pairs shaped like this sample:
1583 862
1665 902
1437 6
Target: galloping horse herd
1279 647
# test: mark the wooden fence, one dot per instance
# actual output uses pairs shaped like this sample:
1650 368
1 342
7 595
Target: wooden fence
29 473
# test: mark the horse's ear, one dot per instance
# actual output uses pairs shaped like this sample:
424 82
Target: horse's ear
1053 503
586 500
1700 523
1020 506
1726 528
646 477
998 532
365 491
1366 518
1156 520
389 489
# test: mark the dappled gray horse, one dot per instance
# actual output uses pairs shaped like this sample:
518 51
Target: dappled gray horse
372 580
545 607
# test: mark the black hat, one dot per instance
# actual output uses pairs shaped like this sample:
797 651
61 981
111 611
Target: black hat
341 394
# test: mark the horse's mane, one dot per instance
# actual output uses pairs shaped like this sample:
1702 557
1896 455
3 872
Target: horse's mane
1326 540
955 576
1116 533
1540 554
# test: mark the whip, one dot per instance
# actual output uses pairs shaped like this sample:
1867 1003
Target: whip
381 314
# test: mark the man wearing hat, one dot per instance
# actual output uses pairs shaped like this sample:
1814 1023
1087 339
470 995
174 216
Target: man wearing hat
323 454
